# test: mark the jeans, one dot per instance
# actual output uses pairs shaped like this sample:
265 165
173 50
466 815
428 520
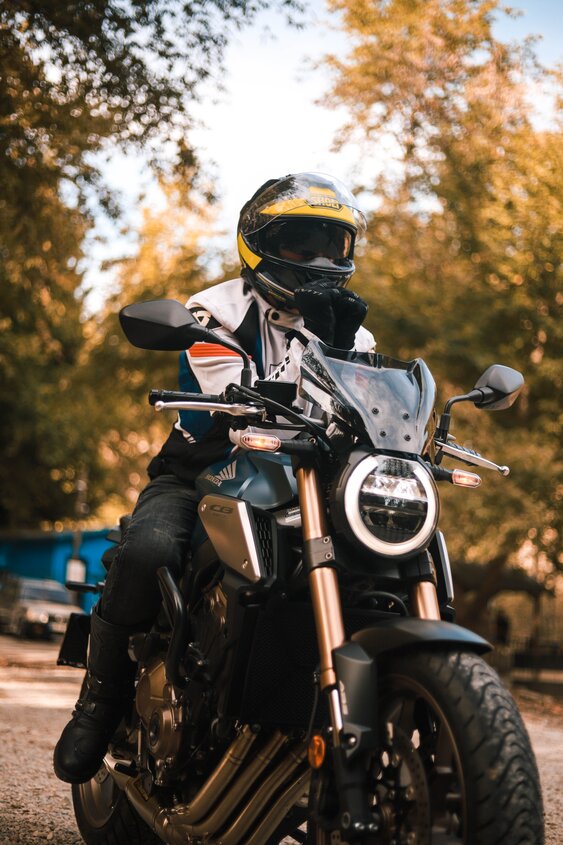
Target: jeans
159 535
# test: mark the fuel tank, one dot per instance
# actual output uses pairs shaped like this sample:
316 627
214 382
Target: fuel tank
262 479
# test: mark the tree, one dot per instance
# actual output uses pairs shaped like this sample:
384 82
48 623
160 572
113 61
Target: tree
169 263
464 251
76 80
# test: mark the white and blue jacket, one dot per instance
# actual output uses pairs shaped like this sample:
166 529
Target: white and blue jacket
273 339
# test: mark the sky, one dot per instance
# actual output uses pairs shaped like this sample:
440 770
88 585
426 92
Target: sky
270 121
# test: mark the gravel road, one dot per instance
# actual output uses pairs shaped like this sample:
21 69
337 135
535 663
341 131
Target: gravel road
35 701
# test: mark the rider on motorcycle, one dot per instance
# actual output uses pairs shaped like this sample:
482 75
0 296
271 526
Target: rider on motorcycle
295 238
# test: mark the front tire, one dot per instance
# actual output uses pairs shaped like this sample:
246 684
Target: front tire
457 767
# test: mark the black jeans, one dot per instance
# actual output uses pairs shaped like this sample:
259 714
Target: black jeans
159 535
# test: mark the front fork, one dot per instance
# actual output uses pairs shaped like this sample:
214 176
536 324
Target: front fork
323 582
347 673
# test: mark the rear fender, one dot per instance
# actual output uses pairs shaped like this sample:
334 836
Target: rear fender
407 632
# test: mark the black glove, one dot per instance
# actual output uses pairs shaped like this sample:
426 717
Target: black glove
350 311
315 304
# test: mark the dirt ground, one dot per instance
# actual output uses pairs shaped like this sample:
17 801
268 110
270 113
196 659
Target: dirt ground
35 701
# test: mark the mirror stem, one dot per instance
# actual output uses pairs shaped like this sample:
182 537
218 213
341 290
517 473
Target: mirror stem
246 376
443 426
473 396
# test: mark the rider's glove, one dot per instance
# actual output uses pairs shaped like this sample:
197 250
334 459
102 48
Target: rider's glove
350 311
315 304
333 314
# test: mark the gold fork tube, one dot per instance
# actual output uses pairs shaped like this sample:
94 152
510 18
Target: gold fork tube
327 610
424 600
313 516
323 581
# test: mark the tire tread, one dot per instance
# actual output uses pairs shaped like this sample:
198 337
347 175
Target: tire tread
498 760
123 828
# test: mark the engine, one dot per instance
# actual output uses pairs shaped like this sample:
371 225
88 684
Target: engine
168 719
163 717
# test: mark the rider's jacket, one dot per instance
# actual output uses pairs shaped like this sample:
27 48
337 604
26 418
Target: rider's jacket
273 339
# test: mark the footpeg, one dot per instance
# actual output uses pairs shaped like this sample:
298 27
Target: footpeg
126 767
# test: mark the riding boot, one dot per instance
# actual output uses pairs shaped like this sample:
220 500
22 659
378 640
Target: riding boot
104 700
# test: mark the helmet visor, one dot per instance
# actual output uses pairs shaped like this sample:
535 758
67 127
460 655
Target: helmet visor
304 240
303 195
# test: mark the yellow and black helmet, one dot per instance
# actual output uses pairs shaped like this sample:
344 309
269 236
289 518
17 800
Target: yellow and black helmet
297 230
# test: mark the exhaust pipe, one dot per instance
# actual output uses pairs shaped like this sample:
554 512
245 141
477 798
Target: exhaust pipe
156 814
180 817
259 801
211 808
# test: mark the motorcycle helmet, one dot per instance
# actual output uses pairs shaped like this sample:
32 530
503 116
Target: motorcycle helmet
297 230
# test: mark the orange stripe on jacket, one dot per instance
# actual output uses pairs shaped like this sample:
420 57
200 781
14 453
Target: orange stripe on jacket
211 350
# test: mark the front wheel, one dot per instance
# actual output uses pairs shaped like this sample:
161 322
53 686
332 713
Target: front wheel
456 767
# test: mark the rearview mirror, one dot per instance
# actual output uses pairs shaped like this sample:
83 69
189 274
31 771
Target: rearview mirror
166 325
499 386
162 324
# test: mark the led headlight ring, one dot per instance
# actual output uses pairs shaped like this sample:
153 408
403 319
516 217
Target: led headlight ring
360 530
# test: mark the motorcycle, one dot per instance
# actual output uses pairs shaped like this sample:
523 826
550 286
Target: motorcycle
306 678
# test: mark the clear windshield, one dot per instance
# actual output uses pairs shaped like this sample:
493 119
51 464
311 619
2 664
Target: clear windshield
390 400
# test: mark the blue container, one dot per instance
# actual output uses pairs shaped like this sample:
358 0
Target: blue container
45 554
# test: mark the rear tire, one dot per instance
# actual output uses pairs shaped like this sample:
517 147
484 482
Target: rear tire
457 743
104 815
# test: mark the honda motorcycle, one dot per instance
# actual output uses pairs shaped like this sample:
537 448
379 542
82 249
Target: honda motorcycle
305 678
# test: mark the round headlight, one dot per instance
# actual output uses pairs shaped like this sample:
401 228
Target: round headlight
391 504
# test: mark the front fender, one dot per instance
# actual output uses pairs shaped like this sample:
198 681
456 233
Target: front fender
407 632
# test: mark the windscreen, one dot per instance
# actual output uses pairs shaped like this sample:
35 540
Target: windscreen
390 400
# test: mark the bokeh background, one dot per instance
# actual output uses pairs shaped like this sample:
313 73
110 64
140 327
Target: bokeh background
132 132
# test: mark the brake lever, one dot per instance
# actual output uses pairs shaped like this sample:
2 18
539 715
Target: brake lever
234 409
468 456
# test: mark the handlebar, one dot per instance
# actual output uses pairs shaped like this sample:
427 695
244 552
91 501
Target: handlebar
256 412
175 400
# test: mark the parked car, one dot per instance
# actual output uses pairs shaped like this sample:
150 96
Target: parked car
31 607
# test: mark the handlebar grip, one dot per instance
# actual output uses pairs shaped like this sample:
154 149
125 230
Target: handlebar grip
297 447
441 473
177 396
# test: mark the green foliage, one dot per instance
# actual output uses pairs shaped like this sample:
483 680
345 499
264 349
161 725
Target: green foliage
77 79
463 262
168 264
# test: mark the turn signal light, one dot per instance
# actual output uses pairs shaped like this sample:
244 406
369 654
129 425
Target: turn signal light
316 751
261 442
463 478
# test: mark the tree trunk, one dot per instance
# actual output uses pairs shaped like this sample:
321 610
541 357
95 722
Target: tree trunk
474 603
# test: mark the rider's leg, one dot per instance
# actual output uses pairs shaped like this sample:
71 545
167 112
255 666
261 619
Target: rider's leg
159 535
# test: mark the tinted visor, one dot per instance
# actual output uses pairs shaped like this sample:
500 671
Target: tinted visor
304 240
